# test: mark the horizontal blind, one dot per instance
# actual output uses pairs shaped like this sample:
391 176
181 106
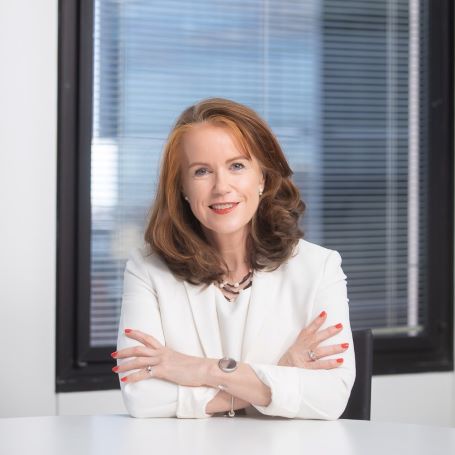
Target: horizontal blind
374 182
332 79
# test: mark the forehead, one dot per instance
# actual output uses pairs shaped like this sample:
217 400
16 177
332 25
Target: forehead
211 141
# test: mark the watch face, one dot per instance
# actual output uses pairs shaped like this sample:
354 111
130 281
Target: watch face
227 364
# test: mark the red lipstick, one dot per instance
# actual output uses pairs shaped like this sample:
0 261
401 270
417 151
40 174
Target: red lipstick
226 210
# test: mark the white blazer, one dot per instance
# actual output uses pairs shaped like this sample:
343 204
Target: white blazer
183 317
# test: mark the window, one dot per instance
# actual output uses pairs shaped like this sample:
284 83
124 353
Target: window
359 95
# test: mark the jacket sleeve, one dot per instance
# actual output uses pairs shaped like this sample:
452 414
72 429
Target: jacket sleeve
152 397
316 394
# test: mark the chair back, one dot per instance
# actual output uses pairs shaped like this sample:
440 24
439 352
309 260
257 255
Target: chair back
359 403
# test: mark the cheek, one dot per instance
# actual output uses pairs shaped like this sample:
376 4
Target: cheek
194 189
252 190
198 193
201 193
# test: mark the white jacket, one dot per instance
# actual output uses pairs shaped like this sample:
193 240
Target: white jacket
183 316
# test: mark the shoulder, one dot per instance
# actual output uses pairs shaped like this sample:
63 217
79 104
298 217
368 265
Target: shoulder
306 251
312 259
148 265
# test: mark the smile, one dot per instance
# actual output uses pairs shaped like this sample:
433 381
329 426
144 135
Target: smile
222 209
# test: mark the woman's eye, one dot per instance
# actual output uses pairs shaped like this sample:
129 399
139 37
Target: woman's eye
200 172
238 166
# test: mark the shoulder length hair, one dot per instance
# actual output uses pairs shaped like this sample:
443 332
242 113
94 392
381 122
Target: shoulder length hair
174 233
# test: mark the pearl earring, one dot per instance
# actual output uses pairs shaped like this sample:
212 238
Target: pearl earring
260 192
186 198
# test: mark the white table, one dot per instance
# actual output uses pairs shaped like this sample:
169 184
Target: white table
95 435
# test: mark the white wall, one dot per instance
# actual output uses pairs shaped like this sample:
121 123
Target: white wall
28 116
28 159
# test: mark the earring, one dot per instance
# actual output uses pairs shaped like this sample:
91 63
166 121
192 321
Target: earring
260 192
186 198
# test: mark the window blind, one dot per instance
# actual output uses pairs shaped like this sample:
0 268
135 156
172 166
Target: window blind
340 83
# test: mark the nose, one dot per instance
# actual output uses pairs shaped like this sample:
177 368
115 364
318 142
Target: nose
222 183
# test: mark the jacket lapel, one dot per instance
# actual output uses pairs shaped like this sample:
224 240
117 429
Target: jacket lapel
265 292
203 307
264 296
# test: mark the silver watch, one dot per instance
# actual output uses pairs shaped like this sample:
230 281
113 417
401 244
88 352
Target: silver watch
227 364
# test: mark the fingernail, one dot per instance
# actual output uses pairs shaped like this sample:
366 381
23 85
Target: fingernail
322 314
115 369
338 361
114 354
339 325
345 345
124 379
128 330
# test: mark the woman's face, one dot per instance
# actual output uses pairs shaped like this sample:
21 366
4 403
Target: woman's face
222 184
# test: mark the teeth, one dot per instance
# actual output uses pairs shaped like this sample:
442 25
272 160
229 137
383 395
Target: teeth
222 206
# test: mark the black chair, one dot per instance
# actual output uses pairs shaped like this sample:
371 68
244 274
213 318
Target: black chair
359 403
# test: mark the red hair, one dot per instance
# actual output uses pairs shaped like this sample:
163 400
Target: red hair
176 235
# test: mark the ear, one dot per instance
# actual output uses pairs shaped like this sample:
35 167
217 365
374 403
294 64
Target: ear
262 179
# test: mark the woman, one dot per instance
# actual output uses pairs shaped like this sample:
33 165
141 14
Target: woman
228 308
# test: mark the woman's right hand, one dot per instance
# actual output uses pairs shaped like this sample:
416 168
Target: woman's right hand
308 340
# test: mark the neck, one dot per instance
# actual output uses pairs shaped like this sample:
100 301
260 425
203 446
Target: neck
232 248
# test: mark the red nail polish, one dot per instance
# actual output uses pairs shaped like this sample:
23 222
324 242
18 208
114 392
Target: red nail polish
115 369
114 354
345 345
124 379
339 326
323 314
128 330
340 360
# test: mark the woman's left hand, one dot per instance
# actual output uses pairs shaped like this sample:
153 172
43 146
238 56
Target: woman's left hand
166 363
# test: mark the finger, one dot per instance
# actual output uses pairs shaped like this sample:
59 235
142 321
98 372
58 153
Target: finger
141 375
134 351
333 349
136 364
144 338
324 364
328 333
314 325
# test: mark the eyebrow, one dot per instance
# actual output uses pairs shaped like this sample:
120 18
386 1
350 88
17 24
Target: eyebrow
239 157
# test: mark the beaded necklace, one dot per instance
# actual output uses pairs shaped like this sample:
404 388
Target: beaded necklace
233 290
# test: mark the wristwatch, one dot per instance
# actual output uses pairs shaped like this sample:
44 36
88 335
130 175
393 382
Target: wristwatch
228 365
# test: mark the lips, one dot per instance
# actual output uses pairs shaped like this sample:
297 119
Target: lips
224 208
223 205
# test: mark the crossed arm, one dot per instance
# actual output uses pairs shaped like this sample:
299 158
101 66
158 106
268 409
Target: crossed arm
243 383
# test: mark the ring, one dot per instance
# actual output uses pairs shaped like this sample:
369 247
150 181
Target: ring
149 370
312 355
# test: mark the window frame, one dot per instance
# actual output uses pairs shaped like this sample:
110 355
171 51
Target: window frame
81 367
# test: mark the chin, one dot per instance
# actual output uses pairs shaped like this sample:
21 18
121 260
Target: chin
224 229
